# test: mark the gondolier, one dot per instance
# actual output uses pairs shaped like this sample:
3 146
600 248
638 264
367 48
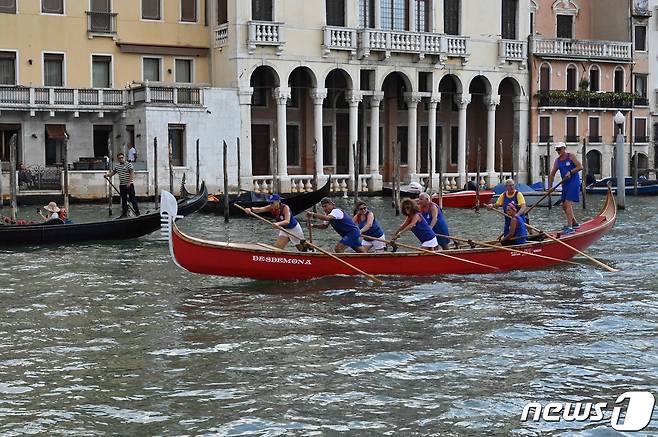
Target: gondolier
369 225
126 174
284 218
569 168
433 215
342 224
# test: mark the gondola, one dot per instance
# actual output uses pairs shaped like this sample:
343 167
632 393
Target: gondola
645 187
119 229
297 204
453 199
262 261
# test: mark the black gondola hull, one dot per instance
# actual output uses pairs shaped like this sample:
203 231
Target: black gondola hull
120 229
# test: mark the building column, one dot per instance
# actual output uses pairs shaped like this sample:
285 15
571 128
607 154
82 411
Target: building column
353 99
318 95
281 95
412 100
376 179
607 153
431 137
244 96
521 104
463 103
491 103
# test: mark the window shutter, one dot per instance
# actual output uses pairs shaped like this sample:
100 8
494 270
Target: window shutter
7 68
8 6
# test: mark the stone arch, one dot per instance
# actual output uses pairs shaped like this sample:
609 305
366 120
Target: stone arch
310 74
265 67
479 85
544 77
408 84
349 77
594 161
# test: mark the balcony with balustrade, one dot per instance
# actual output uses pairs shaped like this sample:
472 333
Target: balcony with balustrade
20 98
511 50
265 33
421 44
565 48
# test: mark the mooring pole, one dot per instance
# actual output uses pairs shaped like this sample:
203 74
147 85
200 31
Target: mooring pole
226 199
12 176
357 163
439 158
584 181
170 150
239 166
155 171
477 180
197 165
430 167
65 158
548 172
500 160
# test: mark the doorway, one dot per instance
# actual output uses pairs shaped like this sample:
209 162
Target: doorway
260 149
102 138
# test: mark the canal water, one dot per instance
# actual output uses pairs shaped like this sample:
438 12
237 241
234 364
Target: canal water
112 338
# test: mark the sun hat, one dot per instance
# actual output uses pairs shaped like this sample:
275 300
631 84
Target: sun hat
415 187
274 198
52 207
560 146
326 200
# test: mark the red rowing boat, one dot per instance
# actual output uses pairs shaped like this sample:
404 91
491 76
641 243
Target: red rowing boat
464 199
262 261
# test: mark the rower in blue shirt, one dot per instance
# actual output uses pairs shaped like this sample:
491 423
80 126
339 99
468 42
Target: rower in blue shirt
417 225
342 224
283 217
434 217
516 232
369 225
569 168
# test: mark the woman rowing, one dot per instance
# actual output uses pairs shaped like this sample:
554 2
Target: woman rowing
369 225
569 168
434 217
342 224
417 225
516 232
285 219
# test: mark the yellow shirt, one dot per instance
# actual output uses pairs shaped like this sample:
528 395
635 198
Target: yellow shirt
520 200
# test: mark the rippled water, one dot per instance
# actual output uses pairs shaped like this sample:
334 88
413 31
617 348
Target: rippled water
112 339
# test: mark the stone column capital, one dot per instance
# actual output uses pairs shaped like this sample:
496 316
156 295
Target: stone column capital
376 98
353 98
281 95
435 99
318 95
412 99
463 101
491 101
244 95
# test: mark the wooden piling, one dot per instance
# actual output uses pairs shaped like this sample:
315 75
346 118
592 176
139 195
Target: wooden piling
583 183
170 150
226 199
239 166
155 171
439 158
13 203
548 172
65 158
355 153
477 179
197 165
500 160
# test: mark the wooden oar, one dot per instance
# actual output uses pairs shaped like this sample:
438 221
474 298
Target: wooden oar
548 193
318 248
594 260
438 253
119 193
309 223
507 248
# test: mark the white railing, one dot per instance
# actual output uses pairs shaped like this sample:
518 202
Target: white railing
339 38
512 50
301 183
419 43
617 50
340 183
221 35
263 184
96 99
364 182
265 33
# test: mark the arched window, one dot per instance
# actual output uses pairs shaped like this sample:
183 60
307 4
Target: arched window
544 77
594 78
594 163
572 78
619 80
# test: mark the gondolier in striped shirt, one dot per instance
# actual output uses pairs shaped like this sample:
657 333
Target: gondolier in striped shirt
126 187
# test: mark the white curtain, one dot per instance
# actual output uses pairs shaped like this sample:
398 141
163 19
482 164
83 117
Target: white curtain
183 70
7 70
101 72
52 68
152 69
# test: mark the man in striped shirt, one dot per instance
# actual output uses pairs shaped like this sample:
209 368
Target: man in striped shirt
126 188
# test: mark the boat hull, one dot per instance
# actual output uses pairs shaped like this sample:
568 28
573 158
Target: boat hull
464 199
120 229
259 261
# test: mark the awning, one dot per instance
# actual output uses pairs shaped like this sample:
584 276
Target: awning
56 131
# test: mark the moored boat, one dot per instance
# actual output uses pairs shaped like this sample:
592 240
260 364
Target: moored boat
645 187
533 197
118 229
262 261
453 199
251 199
